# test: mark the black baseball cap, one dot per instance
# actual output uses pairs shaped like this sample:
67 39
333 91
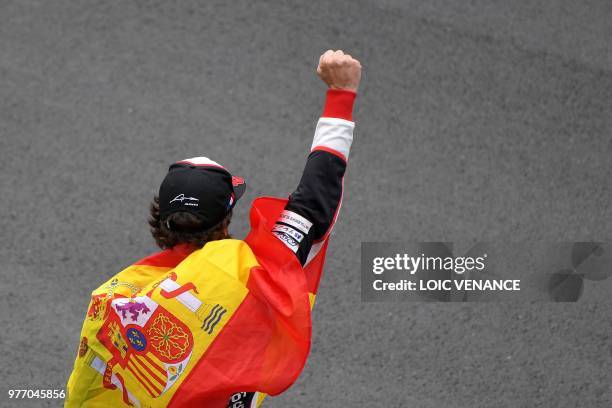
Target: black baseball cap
201 187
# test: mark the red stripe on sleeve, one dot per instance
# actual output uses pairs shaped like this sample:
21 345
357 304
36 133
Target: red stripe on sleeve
329 150
339 104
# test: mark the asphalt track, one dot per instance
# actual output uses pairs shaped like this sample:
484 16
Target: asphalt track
476 120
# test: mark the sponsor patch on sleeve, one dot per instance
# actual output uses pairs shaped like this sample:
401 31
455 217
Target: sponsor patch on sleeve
292 232
291 243
296 221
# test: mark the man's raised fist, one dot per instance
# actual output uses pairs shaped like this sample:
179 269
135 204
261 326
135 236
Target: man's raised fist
339 70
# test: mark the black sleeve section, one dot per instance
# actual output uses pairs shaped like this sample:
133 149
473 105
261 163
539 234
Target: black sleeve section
241 400
318 196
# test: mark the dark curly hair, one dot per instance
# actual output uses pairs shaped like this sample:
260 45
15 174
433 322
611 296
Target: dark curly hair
186 228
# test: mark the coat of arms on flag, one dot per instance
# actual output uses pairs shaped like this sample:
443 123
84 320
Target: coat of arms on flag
149 343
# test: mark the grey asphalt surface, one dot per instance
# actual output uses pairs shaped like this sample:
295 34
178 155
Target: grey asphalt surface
476 120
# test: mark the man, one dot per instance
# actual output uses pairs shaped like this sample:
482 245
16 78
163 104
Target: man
212 321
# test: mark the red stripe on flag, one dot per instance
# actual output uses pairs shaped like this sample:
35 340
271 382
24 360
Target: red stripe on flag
134 370
168 258
157 367
138 367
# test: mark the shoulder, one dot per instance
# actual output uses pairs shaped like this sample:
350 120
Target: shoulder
231 257
225 248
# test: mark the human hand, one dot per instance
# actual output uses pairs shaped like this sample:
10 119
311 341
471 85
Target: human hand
339 70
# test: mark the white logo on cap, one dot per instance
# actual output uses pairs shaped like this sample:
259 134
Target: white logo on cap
181 197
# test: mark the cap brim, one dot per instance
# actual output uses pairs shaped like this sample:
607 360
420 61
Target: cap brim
239 186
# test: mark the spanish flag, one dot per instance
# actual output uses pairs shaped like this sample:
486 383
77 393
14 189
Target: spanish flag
186 327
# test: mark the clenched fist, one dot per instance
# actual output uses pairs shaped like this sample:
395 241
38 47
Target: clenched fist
339 70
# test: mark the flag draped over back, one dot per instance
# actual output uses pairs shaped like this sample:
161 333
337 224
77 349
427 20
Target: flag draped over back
191 328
